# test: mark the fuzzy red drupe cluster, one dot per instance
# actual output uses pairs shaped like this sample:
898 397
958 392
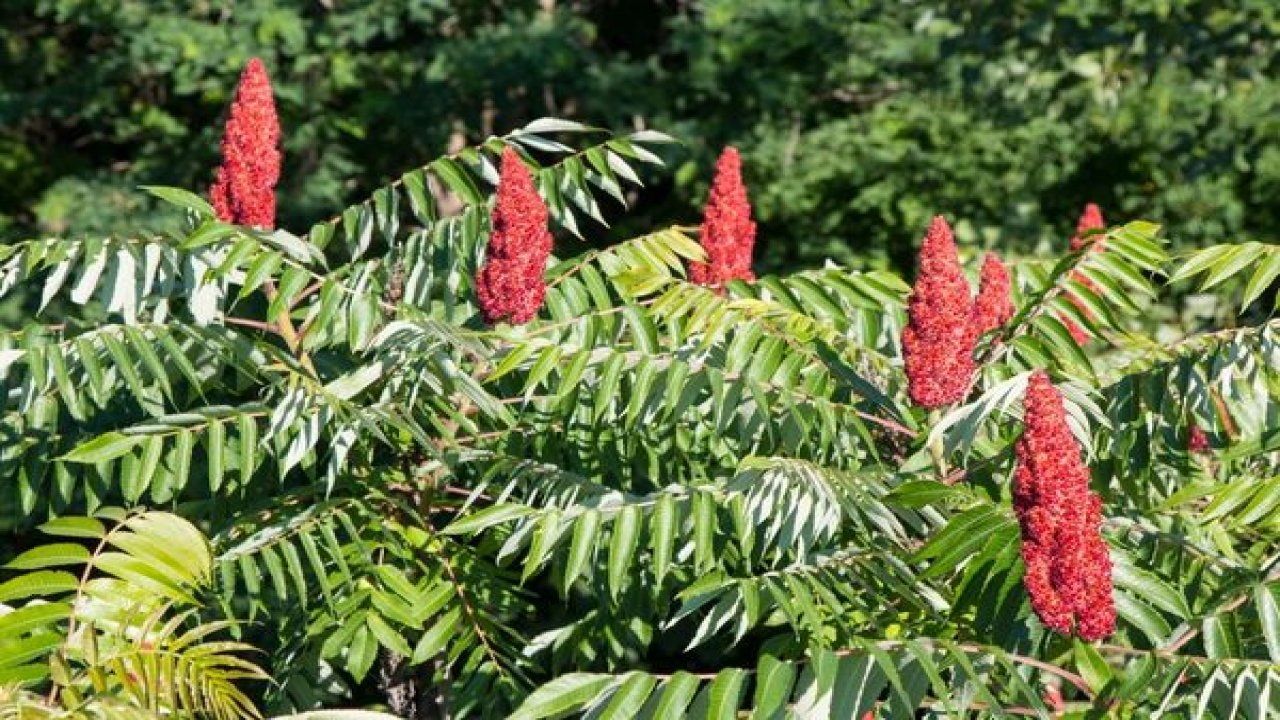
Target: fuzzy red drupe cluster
1090 219
937 343
243 191
1197 441
511 284
1068 575
728 232
994 306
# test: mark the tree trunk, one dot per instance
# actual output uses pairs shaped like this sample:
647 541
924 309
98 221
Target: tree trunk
409 691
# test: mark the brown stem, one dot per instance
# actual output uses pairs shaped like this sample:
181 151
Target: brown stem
467 606
255 324
75 602
284 326
1190 633
307 292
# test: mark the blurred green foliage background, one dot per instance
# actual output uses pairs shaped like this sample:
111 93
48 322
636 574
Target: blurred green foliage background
858 119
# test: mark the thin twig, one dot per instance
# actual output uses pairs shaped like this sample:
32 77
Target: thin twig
255 324
472 615
284 325
307 292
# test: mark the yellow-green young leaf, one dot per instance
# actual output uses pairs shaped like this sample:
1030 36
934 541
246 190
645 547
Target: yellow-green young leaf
1089 302
59 670
395 609
28 618
107 446
241 250
144 576
30 674
622 547
207 233
82 527
434 600
40 583
52 555
561 696
181 545
1263 504
17 653
956 542
143 347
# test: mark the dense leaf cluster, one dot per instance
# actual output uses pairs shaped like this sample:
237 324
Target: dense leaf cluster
858 120
654 499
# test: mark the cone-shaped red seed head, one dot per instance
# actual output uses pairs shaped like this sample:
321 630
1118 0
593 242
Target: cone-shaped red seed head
937 343
1197 441
994 305
728 233
510 284
1068 575
1078 333
244 190
1090 219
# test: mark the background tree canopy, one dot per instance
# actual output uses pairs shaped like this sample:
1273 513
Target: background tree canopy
384 450
857 119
